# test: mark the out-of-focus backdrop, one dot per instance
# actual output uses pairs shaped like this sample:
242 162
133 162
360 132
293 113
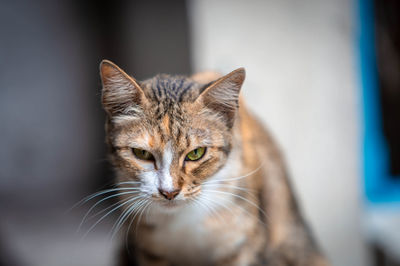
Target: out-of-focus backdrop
324 76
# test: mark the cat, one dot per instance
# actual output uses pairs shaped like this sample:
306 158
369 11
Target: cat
200 180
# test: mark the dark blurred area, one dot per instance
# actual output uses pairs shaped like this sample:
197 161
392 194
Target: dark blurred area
52 124
387 30
387 42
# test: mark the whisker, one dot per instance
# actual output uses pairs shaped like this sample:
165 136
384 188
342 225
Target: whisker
229 186
220 204
127 211
134 208
240 197
236 178
134 216
104 216
128 182
105 209
212 210
94 195
100 201
141 213
147 212
129 228
202 206
240 207
121 219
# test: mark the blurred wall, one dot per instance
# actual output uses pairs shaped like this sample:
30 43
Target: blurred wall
47 111
302 82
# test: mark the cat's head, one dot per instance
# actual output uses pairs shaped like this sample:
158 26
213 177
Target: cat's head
169 134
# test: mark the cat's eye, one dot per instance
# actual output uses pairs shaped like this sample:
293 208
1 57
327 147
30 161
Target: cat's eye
143 154
195 154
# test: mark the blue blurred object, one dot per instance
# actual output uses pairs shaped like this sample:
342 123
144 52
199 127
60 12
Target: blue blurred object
379 185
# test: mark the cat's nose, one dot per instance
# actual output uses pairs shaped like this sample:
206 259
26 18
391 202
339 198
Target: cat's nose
169 195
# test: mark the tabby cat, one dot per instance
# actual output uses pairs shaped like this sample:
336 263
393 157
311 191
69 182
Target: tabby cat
200 180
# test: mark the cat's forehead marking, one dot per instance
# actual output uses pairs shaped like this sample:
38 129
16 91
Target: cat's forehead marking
171 88
151 142
166 124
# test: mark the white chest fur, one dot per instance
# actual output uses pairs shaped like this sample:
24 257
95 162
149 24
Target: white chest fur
193 235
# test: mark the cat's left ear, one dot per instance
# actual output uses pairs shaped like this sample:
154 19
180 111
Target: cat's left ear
121 94
222 95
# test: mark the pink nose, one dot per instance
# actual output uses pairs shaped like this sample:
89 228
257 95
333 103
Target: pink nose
169 195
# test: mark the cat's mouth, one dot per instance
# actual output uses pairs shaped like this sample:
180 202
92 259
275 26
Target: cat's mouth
171 203
168 207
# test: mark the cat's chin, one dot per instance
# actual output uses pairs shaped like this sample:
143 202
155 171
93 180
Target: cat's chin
170 206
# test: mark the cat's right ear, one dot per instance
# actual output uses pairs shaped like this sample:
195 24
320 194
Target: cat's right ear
121 94
222 95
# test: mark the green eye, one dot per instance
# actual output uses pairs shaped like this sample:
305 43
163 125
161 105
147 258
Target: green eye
195 154
143 154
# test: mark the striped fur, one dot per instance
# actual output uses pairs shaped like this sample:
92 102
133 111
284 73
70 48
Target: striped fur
234 206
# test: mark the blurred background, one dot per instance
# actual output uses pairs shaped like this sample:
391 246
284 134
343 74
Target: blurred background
323 75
